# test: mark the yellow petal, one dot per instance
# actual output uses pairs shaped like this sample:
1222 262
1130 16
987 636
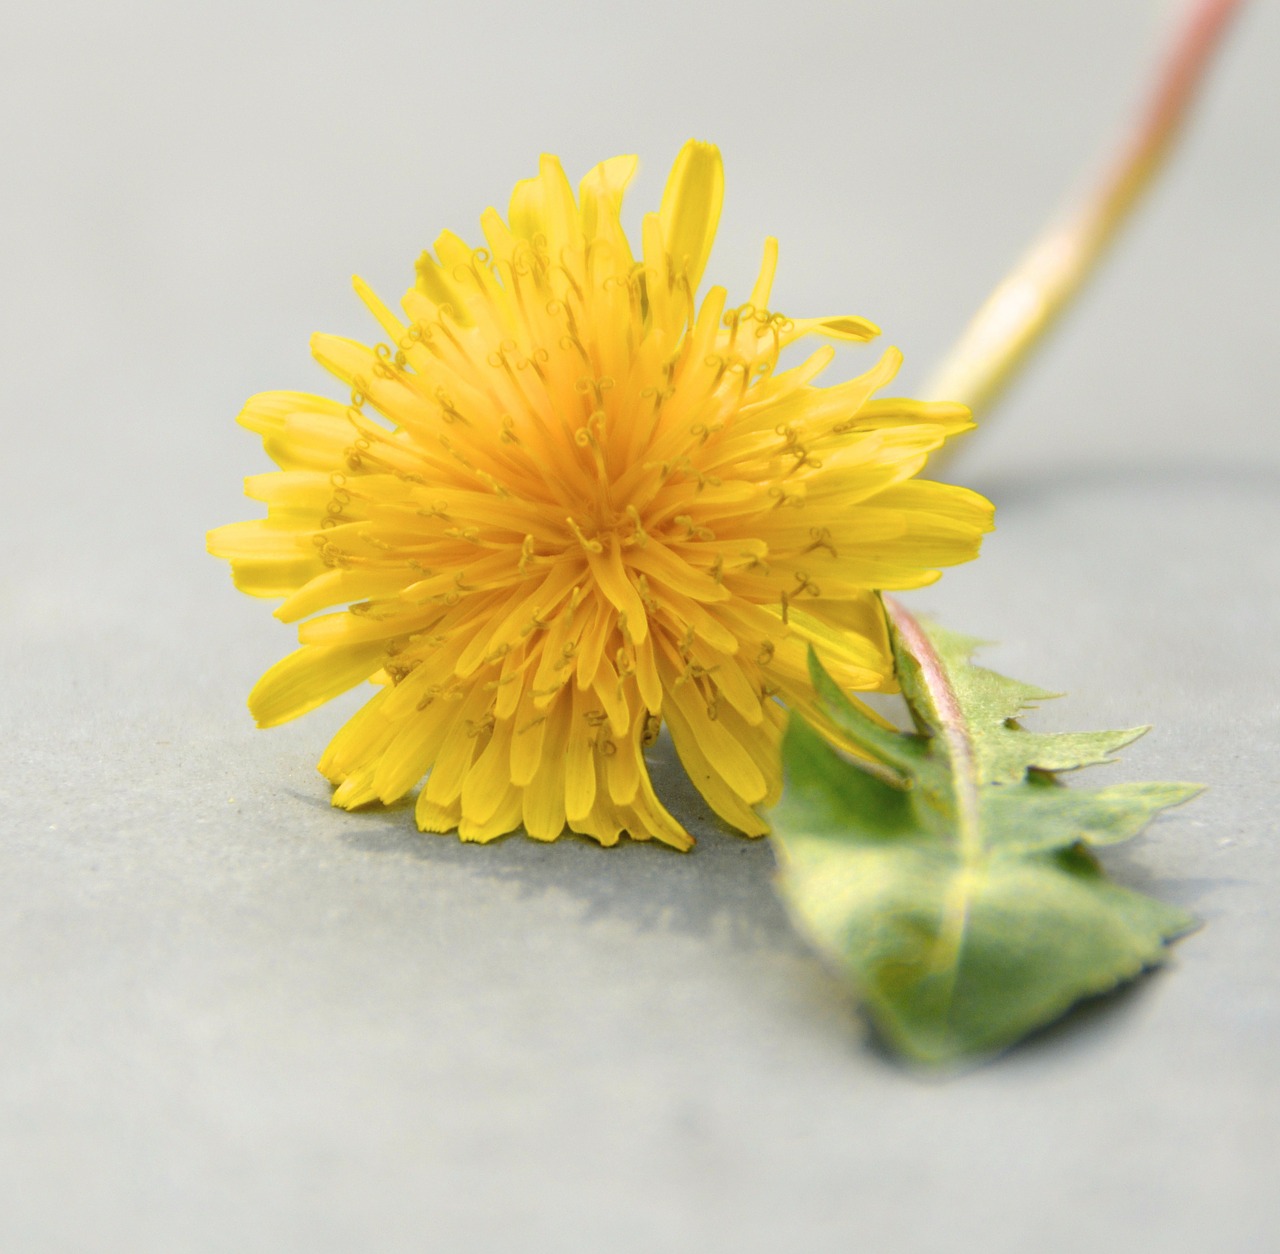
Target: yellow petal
622 772
764 281
487 782
504 818
844 327
411 753
267 560
360 740
431 816
266 412
309 677
338 587
356 790
527 741
392 325
947 500
312 441
543 805
647 679
724 795
438 286
580 762
690 209
893 411
652 819
461 746
611 578
707 739
600 195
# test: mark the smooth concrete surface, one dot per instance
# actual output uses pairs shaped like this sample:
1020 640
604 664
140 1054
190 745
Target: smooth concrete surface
233 1019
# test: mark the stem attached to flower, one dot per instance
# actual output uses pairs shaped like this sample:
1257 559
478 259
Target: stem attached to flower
1029 300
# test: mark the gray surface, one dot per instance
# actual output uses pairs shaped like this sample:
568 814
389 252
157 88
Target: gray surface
233 1019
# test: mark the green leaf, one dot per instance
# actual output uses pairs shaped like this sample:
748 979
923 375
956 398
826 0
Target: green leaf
949 878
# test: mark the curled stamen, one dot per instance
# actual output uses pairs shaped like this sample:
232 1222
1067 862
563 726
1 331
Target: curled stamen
702 431
448 410
640 537
686 676
535 623
494 485
384 368
563 267
692 530
803 458
398 672
821 539
591 546
480 727
570 341
536 361
646 597
448 446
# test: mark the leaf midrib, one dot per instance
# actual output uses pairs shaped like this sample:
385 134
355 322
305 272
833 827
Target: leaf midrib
962 758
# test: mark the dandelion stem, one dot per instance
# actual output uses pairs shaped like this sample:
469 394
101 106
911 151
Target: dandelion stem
1026 304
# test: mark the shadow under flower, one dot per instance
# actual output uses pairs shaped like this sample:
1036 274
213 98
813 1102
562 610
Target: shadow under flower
724 885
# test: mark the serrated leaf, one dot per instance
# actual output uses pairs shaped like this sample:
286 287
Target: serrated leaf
992 704
955 889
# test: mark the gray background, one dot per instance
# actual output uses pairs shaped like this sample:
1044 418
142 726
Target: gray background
233 1019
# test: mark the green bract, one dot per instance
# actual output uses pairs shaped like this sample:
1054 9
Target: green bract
951 878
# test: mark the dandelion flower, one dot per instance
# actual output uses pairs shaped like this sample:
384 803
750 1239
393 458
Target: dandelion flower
567 502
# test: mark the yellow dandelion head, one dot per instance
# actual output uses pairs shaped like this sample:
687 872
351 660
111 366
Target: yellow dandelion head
567 502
